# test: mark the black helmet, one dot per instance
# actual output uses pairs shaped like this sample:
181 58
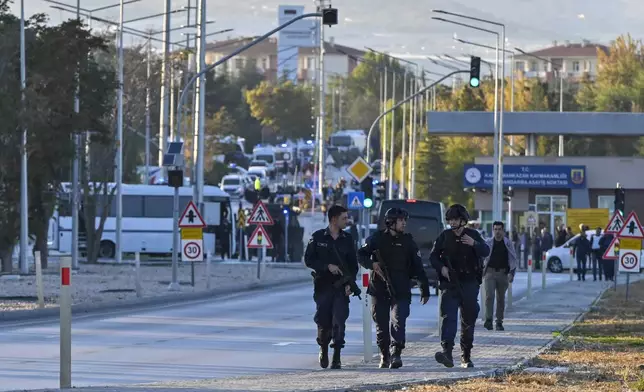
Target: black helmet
457 211
393 214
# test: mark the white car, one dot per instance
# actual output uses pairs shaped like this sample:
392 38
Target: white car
558 258
233 184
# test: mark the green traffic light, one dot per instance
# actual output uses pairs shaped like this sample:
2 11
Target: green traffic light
474 82
367 203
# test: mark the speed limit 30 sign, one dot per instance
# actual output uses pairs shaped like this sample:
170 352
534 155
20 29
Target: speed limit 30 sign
192 250
629 260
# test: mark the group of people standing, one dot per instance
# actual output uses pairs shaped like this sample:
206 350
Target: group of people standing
461 257
593 249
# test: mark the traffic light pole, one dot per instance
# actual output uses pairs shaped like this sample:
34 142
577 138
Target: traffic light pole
404 101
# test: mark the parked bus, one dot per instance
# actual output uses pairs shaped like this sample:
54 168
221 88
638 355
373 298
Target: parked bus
147 221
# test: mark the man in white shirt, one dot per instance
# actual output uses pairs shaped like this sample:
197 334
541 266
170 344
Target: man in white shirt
596 255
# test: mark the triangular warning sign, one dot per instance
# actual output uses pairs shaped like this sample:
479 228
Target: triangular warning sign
356 202
260 215
610 251
632 227
616 223
260 239
191 217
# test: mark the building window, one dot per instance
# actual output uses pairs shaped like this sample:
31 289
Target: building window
606 202
575 66
551 211
533 66
239 63
264 63
587 66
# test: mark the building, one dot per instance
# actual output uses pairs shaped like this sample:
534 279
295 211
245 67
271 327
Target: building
551 185
339 60
577 59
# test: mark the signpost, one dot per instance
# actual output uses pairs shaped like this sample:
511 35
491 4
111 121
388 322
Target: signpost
191 224
260 239
630 247
359 169
173 161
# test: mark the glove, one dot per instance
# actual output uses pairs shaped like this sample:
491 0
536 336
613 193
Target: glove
424 291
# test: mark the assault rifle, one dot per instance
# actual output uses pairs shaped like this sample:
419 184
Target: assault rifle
385 275
347 277
453 276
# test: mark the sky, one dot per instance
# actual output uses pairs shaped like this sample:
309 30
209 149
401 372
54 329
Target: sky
403 27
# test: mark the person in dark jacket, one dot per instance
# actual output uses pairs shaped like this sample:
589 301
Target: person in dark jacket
389 284
608 264
583 250
457 257
331 255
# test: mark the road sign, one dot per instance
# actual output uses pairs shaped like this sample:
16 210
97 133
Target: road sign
260 215
192 233
241 219
359 169
616 223
632 227
530 218
191 217
260 239
629 260
610 251
192 250
355 200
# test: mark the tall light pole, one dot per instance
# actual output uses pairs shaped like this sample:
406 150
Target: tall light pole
559 70
200 106
119 140
24 200
500 139
164 107
321 4
498 153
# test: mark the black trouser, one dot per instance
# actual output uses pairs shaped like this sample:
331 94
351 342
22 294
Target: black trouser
331 314
581 267
451 302
391 320
609 268
597 264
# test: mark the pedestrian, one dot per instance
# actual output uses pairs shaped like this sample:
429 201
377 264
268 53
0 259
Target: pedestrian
608 265
582 251
331 255
498 272
595 243
394 259
457 256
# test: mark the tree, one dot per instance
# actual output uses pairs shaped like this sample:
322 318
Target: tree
285 108
431 177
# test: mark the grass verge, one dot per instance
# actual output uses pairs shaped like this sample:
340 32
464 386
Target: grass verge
602 353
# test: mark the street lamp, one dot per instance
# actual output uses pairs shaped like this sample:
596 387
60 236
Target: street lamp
24 200
498 152
413 113
559 70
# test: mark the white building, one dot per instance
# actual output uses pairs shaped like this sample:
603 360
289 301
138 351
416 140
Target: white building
577 59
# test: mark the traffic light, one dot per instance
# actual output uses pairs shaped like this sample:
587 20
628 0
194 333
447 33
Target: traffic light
620 199
475 71
508 194
381 190
366 186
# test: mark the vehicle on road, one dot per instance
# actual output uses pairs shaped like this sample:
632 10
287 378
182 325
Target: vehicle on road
426 222
234 184
147 222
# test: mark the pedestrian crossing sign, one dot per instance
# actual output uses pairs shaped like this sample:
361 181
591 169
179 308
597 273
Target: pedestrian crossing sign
355 200
260 215
632 227
616 223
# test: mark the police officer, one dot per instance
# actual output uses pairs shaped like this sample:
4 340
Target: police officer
457 256
331 254
389 283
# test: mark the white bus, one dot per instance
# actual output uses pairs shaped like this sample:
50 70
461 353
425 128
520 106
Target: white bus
147 219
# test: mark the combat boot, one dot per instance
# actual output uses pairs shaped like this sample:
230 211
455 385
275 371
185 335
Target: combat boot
445 357
335 362
324 357
384 358
466 360
396 361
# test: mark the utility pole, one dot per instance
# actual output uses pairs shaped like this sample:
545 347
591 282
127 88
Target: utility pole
24 200
200 106
75 167
119 141
321 158
147 112
164 108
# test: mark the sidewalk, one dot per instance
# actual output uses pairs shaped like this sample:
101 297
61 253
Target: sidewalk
529 324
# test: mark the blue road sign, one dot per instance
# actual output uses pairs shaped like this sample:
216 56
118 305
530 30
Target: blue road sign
355 200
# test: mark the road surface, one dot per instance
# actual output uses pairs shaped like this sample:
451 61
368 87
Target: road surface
242 334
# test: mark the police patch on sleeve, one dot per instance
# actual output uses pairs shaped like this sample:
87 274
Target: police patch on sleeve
365 245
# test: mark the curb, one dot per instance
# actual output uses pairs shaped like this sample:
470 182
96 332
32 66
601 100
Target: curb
481 374
141 304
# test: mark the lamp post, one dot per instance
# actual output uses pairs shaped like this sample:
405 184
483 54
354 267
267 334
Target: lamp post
559 70
24 200
497 189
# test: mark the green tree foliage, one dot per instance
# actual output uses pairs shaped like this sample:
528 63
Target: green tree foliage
285 108
55 54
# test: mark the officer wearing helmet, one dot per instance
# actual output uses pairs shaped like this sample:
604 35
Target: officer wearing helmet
456 256
389 283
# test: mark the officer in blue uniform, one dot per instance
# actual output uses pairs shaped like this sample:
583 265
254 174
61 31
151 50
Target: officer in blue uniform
390 285
331 254
457 257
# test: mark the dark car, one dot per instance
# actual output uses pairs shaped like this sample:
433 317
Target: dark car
426 222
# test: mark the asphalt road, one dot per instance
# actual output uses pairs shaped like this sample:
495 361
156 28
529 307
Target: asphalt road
243 334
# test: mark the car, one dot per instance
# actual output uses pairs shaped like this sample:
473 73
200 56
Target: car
233 184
